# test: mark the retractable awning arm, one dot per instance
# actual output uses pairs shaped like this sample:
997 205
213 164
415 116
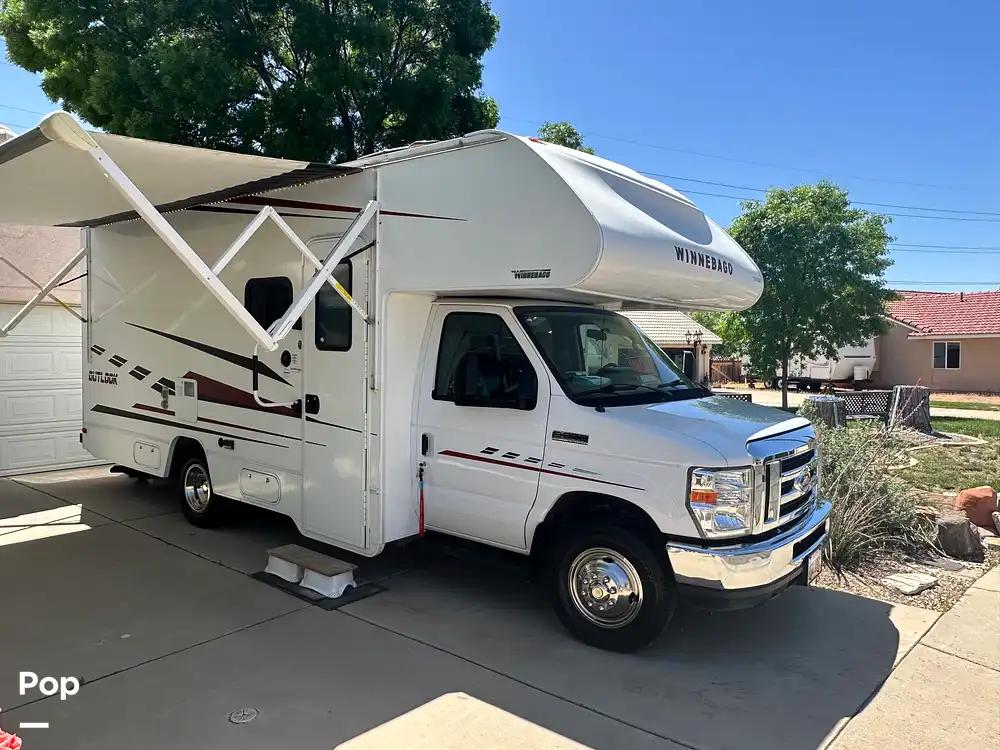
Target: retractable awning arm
62 128
44 290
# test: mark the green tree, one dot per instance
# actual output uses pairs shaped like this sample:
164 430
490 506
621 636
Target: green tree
823 264
306 78
726 325
563 134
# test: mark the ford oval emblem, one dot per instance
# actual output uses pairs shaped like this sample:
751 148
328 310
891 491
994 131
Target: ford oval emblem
804 480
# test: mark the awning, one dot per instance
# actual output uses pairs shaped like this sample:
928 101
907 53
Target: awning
60 175
47 177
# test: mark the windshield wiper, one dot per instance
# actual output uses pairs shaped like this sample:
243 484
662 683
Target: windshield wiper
616 387
681 388
671 384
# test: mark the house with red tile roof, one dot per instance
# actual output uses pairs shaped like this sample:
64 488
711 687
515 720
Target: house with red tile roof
948 341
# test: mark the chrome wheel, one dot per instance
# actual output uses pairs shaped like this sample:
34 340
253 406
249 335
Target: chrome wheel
197 488
605 587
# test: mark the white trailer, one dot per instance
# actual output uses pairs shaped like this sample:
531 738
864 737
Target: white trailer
850 364
426 337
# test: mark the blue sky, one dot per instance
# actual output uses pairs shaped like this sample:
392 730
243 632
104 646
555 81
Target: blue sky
898 102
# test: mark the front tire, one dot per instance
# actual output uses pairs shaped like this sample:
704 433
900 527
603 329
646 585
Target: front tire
613 591
200 504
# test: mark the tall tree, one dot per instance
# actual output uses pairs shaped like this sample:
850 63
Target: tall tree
563 134
823 264
726 325
305 78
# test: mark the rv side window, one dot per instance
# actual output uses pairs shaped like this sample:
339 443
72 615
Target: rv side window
333 315
267 299
480 363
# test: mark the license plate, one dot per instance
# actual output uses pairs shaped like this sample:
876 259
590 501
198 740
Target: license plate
815 564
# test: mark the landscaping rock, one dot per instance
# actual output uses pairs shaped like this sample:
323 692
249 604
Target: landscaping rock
985 533
979 504
957 538
996 520
910 583
943 563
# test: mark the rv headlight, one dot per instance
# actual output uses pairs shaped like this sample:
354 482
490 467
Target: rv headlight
721 501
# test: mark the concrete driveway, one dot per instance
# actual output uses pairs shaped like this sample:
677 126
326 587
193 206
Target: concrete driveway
103 579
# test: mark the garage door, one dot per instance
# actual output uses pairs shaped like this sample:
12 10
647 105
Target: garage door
40 392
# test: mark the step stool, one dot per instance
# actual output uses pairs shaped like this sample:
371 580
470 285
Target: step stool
310 569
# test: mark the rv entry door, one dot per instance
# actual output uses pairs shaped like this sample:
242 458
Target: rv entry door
333 406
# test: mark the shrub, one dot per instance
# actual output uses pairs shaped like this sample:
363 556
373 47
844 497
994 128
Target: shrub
871 512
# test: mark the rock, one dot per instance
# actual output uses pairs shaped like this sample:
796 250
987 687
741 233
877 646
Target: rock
996 520
992 541
985 533
979 504
910 583
943 563
956 537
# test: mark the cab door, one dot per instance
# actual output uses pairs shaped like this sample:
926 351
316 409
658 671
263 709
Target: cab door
483 409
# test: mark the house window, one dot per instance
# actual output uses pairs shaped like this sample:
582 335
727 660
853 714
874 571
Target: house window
333 314
947 355
267 299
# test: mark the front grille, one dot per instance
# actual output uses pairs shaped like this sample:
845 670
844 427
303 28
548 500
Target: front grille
800 459
790 485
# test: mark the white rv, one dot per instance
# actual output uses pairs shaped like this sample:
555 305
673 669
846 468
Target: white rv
849 364
426 338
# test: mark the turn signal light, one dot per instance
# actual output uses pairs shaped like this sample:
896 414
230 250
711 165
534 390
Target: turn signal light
704 497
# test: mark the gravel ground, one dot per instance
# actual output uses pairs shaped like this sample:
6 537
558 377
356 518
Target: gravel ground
864 581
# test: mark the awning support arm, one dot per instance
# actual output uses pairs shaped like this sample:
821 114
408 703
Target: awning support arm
209 276
280 328
44 290
180 247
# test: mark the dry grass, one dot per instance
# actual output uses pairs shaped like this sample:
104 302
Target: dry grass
949 469
872 511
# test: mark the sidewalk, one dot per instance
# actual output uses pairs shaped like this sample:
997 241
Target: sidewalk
946 691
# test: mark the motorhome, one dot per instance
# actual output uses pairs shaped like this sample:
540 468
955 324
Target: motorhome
427 338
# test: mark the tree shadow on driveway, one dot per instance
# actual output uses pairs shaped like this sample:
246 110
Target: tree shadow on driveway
785 674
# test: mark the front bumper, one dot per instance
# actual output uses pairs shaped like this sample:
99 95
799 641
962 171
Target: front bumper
746 573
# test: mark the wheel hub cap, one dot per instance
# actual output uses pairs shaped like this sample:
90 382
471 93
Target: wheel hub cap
605 587
197 490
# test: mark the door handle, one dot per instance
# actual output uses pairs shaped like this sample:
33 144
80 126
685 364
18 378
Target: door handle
312 403
425 444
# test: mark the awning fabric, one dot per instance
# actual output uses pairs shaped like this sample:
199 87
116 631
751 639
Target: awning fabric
47 177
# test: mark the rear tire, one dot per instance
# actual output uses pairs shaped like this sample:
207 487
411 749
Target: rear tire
612 589
200 504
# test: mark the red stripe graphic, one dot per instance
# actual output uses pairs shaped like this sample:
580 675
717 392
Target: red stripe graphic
485 460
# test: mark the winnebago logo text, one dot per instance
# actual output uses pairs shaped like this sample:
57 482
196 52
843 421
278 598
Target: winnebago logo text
532 273
704 260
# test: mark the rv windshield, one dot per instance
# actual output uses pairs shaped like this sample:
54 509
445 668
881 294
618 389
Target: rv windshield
601 359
